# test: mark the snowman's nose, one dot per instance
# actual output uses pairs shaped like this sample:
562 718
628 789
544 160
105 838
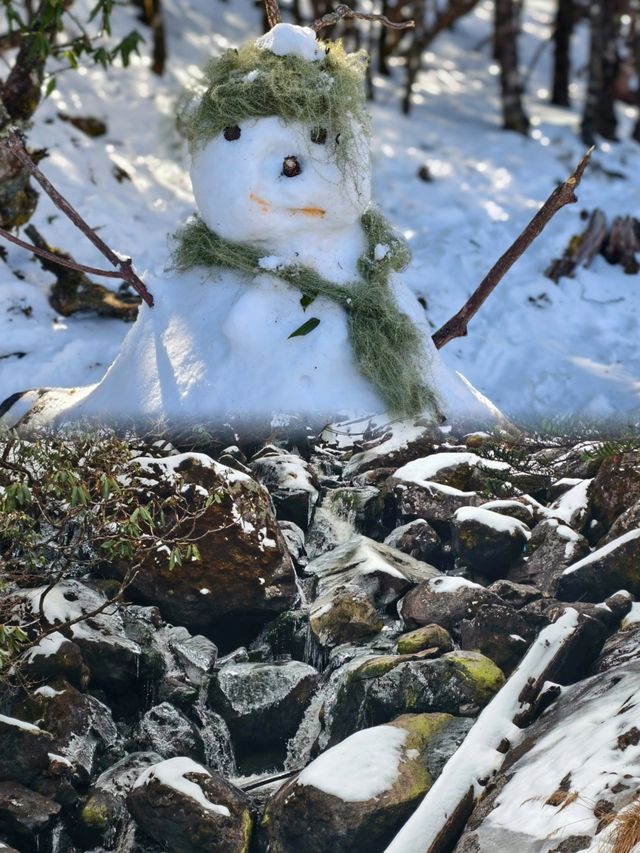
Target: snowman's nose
291 166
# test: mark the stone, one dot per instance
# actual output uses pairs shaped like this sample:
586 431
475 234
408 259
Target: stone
537 804
417 539
188 809
515 594
105 809
55 656
500 632
620 648
427 637
24 750
400 443
405 501
356 795
166 731
613 567
26 817
245 576
615 487
625 522
290 482
294 538
444 601
262 703
512 509
82 727
286 635
551 549
381 688
486 541
354 584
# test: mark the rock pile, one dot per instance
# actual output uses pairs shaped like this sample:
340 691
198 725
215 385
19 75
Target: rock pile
301 687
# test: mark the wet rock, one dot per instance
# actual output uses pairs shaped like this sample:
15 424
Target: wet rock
572 507
354 584
445 601
262 703
356 795
82 728
26 818
615 487
613 567
381 688
342 513
417 539
486 541
407 496
537 803
286 635
290 482
196 655
169 733
295 541
105 811
24 749
552 547
187 809
427 637
245 576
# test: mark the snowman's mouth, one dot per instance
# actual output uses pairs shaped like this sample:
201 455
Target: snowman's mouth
265 206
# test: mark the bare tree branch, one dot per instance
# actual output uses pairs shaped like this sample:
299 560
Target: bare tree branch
124 266
562 195
343 11
273 12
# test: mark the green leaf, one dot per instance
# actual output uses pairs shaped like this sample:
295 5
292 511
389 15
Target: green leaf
306 300
311 324
51 85
127 46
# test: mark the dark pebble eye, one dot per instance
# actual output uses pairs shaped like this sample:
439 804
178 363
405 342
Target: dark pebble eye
319 135
232 133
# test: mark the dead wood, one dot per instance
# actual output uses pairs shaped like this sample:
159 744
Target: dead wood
582 248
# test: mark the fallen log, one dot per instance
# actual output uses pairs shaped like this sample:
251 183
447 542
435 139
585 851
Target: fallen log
582 248
440 818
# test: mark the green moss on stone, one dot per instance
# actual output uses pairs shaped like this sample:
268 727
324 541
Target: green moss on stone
479 672
95 815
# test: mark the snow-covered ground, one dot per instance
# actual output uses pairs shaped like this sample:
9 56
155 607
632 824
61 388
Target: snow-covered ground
537 349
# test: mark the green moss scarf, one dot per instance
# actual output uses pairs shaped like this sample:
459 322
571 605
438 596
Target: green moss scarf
386 344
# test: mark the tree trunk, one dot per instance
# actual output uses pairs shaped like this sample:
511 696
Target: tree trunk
599 117
20 96
565 16
634 8
513 114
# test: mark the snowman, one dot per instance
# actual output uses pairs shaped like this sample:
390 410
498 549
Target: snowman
282 302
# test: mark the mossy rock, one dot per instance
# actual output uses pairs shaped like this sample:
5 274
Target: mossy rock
427 637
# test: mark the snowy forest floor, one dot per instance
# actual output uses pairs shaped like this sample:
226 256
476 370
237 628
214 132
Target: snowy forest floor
538 350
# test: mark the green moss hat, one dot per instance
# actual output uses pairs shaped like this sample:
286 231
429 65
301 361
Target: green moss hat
293 76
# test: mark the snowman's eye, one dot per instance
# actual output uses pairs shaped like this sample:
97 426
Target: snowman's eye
319 135
232 133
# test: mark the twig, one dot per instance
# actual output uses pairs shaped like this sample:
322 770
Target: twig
123 265
273 12
58 259
343 11
563 194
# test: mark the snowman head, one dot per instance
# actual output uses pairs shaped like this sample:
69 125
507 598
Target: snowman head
279 138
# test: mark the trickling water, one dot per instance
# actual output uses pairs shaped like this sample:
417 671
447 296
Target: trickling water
315 726
215 735
126 837
315 654
56 838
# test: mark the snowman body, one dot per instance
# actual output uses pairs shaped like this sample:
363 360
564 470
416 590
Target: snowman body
217 345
